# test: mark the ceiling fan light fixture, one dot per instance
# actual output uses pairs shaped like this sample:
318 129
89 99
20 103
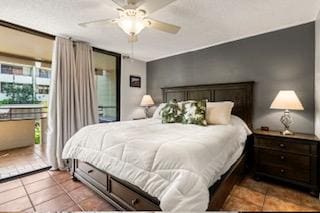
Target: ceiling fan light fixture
133 17
132 22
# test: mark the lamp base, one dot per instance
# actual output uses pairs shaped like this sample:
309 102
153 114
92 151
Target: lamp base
146 112
287 132
286 120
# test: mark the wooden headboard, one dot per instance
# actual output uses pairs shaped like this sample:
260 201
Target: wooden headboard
240 93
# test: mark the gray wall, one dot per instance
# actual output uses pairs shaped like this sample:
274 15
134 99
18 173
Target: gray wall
279 60
317 79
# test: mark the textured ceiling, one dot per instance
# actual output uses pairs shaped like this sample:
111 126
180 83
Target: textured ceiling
204 22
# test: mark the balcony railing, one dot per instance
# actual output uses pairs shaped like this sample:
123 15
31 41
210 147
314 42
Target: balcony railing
34 112
22 125
107 114
22 112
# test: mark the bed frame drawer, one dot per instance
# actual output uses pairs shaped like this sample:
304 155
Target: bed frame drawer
130 197
94 173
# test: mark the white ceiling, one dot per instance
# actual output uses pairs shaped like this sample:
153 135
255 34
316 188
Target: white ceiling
204 22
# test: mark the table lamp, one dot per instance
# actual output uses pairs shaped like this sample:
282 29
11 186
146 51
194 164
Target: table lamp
146 102
287 100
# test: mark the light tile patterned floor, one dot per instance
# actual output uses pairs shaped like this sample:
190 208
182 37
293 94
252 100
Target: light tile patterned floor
56 191
251 195
22 160
49 191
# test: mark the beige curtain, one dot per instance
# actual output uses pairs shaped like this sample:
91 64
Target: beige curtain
72 98
87 88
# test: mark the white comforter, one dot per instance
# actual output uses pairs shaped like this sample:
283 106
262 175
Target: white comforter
174 162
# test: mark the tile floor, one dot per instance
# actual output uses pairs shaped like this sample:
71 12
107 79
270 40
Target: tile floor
49 191
22 160
251 195
56 191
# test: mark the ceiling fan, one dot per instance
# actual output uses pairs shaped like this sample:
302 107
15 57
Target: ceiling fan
133 17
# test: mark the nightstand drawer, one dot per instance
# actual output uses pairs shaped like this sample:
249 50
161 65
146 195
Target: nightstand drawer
287 160
286 145
282 172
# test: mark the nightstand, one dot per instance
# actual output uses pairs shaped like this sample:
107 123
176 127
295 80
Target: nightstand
290 158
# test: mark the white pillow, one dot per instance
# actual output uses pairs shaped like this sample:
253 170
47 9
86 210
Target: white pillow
219 113
156 114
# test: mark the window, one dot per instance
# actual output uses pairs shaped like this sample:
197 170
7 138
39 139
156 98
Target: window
43 89
5 69
42 73
11 70
15 70
27 71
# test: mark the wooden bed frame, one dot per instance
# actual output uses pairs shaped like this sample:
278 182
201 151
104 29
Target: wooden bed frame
125 196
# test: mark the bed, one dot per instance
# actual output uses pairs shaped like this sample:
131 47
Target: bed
147 165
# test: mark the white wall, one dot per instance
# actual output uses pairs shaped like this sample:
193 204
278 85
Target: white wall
317 78
130 96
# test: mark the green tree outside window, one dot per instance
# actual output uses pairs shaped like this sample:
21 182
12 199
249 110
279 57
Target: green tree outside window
19 94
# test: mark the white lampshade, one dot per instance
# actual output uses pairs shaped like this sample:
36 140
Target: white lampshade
146 101
287 99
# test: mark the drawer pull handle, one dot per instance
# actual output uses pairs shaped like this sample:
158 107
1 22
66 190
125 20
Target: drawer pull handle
134 201
282 157
90 171
282 145
282 171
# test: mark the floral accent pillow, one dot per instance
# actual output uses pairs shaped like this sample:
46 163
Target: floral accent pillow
171 112
194 112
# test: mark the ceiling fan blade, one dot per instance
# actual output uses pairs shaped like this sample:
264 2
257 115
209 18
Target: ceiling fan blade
151 6
169 28
135 3
129 4
120 3
102 22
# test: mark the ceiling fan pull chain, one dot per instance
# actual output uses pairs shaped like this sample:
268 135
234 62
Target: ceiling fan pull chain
132 50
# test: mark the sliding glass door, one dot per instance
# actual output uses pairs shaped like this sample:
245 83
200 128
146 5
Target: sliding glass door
25 73
107 72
